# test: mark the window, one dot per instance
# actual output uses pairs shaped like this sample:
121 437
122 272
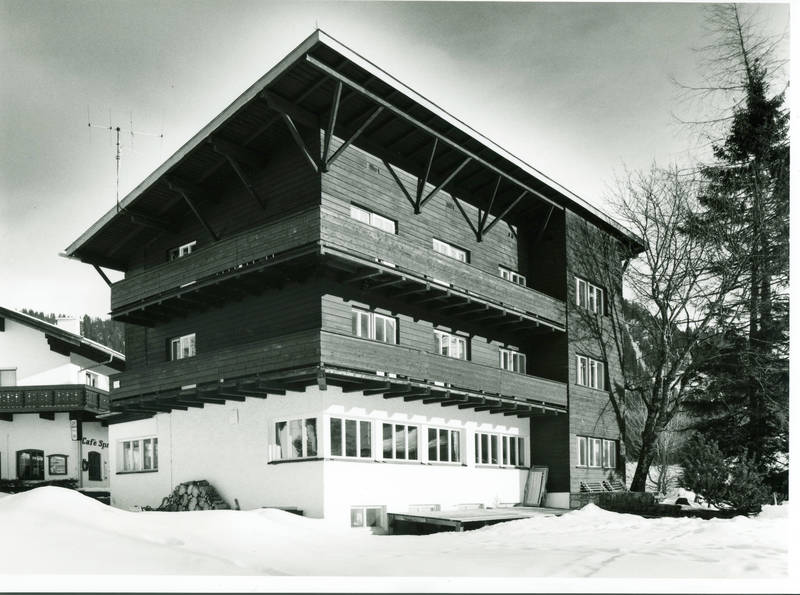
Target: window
91 379
181 347
30 464
296 438
350 438
57 464
512 276
366 516
588 296
140 454
400 442
597 452
590 373
496 449
373 219
444 446
450 250
513 361
449 345
370 325
8 377
182 250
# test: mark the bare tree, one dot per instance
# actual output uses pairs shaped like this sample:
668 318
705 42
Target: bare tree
672 283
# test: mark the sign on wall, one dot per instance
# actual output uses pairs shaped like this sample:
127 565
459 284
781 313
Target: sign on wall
73 428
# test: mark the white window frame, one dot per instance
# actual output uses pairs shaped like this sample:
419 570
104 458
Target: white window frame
343 438
136 462
92 379
589 296
590 372
501 449
595 453
182 250
363 513
457 347
373 219
406 442
374 321
609 454
281 453
453 437
183 347
11 374
592 452
512 276
451 250
512 360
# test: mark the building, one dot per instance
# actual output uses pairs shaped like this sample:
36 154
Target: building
339 297
53 387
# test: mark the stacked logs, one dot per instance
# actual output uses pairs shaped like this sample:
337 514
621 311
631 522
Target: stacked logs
193 495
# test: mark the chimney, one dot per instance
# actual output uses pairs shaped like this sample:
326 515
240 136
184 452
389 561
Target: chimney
69 324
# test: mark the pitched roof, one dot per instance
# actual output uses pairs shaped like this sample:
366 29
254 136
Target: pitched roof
304 85
65 342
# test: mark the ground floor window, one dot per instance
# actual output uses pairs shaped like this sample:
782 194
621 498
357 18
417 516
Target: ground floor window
400 442
296 438
496 449
140 454
596 452
366 516
57 464
444 445
30 464
350 438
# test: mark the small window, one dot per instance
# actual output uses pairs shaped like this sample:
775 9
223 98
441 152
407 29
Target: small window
450 345
609 454
373 219
450 250
512 276
30 464
444 445
366 516
371 325
182 347
400 442
182 250
583 451
139 455
589 296
595 454
8 377
350 438
296 438
57 464
92 379
590 372
513 361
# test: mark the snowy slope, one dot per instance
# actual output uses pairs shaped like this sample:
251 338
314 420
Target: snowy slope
63 532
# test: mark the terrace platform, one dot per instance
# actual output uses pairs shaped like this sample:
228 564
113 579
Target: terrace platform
462 520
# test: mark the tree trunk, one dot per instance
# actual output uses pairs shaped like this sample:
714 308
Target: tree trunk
646 455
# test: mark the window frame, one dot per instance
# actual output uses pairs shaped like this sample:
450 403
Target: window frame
92 379
595 454
371 219
372 325
363 509
8 370
358 439
512 355
590 372
450 433
589 296
501 448
450 250
406 441
36 455
304 437
181 251
609 458
137 460
451 337
178 341
54 457
512 276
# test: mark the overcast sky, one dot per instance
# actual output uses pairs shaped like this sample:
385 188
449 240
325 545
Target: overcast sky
576 90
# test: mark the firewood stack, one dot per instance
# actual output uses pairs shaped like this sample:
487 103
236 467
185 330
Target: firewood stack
193 495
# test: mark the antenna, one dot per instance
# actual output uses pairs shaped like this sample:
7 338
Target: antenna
116 130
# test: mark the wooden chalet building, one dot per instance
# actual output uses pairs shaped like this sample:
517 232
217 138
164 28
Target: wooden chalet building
339 297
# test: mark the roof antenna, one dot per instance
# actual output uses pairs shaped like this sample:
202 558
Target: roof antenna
117 129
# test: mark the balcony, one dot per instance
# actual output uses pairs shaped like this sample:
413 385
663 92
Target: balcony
141 296
53 398
294 361
386 261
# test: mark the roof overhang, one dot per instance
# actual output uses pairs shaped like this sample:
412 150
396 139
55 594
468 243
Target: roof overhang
390 120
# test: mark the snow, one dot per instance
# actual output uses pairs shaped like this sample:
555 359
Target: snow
59 531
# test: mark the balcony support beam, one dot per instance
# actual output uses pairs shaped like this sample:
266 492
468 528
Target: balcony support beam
352 138
446 181
181 188
298 139
402 186
504 213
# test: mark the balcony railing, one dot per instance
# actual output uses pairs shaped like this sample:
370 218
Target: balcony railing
52 398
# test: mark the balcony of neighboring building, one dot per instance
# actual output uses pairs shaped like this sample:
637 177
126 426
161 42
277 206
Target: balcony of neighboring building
52 398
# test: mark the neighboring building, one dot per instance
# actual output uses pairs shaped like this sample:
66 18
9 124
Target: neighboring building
341 298
53 385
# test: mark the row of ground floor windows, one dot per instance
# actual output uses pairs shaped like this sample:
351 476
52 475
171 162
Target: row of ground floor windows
31 465
354 438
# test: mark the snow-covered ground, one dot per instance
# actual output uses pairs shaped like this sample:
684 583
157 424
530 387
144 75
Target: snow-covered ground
60 531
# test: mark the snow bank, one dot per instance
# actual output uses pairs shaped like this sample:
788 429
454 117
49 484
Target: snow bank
63 532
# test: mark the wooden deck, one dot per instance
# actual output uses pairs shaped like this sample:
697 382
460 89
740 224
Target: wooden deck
461 520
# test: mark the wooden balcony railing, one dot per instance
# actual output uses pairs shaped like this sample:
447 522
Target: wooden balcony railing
62 397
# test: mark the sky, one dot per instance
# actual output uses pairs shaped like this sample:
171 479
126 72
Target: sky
579 91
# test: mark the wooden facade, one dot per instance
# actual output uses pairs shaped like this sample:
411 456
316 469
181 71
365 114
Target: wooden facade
278 262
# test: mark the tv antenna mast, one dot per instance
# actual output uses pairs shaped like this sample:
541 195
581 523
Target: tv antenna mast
116 129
